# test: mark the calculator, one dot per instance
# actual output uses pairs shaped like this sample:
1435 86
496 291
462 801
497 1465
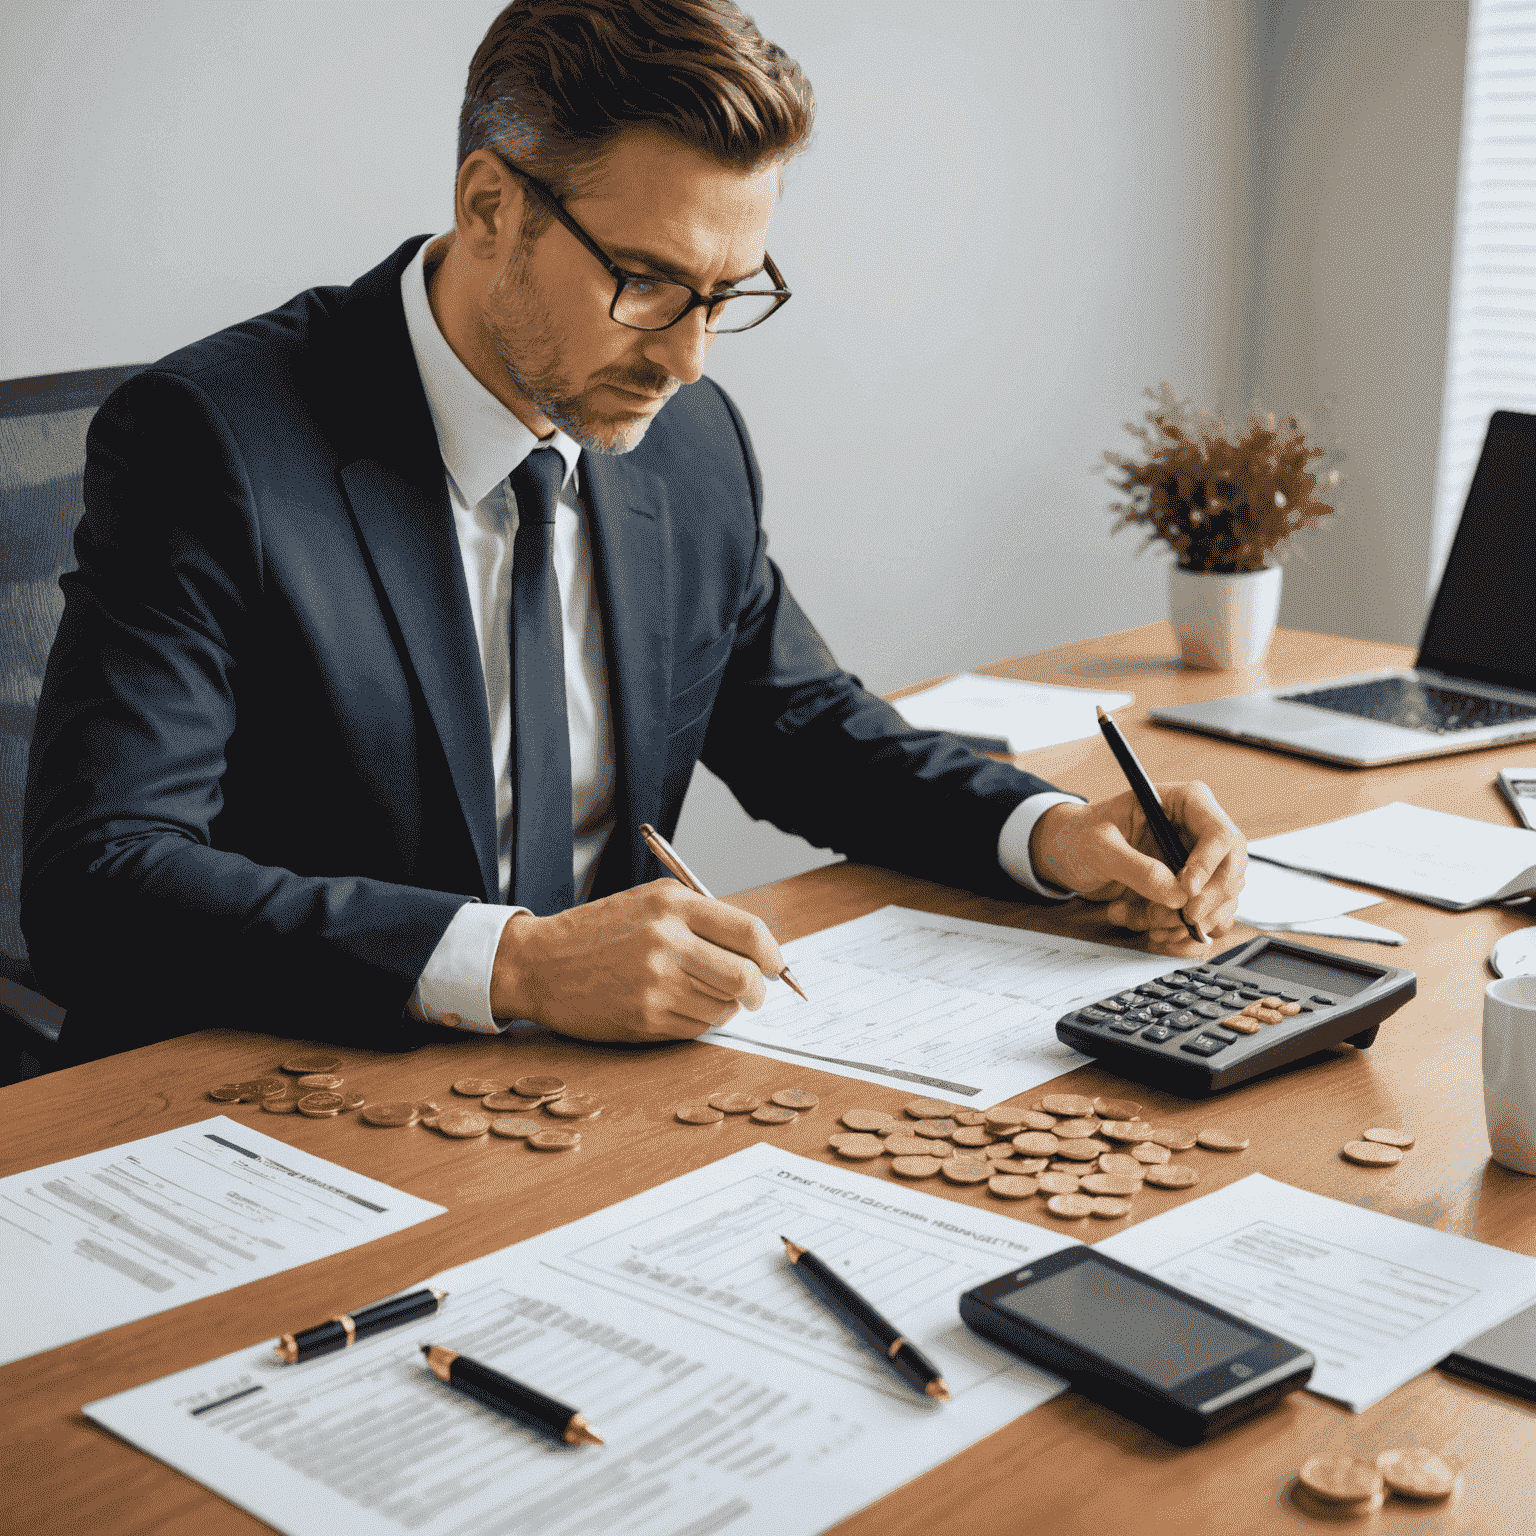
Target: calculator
1171 1032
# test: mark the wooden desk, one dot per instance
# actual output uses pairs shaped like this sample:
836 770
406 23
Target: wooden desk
1065 1469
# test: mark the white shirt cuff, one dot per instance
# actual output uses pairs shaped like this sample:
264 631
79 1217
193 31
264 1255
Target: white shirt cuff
1013 842
455 987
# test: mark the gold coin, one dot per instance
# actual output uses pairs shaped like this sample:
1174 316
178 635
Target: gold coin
1241 1025
973 1136
1268 1015
1072 1207
699 1114
515 1128
280 1103
915 1167
1214 1140
1012 1186
1109 1207
928 1109
1172 1176
1036 1143
1077 1170
1037 1120
463 1123
1419 1473
1000 1152
967 1117
1150 1152
795 1098
1116 1109
735 1103
321 1104
1271 1002
1120 1184
478 1087
1339 1477
1074 1130
225 1093
321 1080
773 1114
908 1146
1059 1183
260 1087
1388 1138
352 1101
430 1121
554 1141
303 1065
1005 1117
538 1087
1321 1509
1121 1163
1290 1010
1026 1165
966 1170
575 1106
506 1100
1125 1130
859 1148
1081 1150
1370 1154
1174 1140
400 1113
1066 1104
938 1130
428 1107
868 1119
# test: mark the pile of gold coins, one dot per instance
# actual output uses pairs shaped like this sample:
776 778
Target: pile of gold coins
1339 1486
311 1089
1377 1148
505 1109
783 1107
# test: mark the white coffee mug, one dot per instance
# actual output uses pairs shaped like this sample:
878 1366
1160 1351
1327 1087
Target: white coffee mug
1509 1071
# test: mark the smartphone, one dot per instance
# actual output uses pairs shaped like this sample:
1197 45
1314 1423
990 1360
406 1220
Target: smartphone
1519 788
1175 1364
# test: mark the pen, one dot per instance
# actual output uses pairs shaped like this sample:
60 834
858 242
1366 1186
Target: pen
348 1327
668 856
510 1397
1168 839
850 1308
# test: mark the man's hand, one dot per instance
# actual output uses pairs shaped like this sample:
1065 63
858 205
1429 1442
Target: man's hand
654 963
1108 853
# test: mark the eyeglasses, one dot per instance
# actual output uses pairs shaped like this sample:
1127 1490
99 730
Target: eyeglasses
657 303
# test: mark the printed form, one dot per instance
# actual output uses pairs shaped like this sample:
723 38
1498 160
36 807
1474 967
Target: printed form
1376 1299
728 1398
105 1239
942 1005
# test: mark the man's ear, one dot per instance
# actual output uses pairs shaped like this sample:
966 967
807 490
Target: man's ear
487 207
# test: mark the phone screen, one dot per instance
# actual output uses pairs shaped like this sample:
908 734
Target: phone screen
1142 1329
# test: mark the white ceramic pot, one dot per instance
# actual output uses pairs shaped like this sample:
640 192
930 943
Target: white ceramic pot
1221 620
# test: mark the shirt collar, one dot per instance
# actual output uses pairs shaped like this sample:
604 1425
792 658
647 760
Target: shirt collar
481 441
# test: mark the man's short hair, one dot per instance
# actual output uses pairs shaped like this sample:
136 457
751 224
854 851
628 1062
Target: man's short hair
555 80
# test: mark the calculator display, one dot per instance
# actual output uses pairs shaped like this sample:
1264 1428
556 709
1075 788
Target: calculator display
1285 966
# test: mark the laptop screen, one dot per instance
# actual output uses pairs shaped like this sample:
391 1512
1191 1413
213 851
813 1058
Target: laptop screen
1483 624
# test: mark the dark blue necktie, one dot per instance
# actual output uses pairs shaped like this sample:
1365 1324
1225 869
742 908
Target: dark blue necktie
542 839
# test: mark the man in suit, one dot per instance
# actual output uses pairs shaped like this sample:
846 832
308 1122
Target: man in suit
400 608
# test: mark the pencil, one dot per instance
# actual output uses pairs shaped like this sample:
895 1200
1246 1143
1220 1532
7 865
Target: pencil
510 1397
1168 839
668 856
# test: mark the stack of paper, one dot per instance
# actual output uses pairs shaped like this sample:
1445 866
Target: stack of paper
1283 901
1024 715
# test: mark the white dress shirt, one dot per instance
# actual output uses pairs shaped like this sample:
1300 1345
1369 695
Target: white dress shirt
482 442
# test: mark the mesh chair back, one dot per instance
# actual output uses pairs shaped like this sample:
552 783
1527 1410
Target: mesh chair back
43 421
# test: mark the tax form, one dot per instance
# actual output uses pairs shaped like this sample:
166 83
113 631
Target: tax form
1376 1299
939 1005
105 1239
727 1397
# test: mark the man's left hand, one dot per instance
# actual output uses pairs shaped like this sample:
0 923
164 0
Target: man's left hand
1107 853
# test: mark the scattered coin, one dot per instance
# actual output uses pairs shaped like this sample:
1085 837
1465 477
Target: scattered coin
773 1114
303 1065
1073 1130
795 1098
1270 1002
1174 1140
1290 1010
506 1100
1108 1206
1171 1176
735 1103
1036 1143
1037 1120
1241 1024
1012 1186
320 1080
1004 1116
1072 1207
966 1170
967 1117
973 1136
1082 1150
538 1087
928 1109
867 1119
1116 1109
1150 1152
225 1093
1214 1140
1123 1164
1125 1130
1077 1170
1066 1104
1370 1154
915 1167
1119 1184
397 1114
352 1101
515 1127
1309 1503
478 1087
426 1107
1267 1015
938 1130
1419 1473
1001 1152
1059 1183
1388 1138
575 1106
280 1103
554 1141
321 1105
1026 1165
430 1121
699 1114
908 1146
859 1148
1339 1477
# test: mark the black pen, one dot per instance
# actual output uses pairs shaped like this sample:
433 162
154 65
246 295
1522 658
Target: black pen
1168 839
348 1327
850 1308
510 1397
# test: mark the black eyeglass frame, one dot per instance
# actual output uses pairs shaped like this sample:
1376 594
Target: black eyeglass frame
621 278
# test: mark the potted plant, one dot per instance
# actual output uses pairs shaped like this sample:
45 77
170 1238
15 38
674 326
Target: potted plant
1226 505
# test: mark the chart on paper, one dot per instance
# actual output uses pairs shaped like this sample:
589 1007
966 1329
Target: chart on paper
937 1005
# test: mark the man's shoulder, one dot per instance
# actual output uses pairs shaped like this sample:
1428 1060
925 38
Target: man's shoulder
699 425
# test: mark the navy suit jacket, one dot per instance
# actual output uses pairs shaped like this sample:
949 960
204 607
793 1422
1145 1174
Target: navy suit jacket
260 783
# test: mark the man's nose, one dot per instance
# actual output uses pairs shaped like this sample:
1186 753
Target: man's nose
680 350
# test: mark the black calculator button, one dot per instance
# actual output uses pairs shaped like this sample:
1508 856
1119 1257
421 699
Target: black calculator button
1125 1026
1302 1007
1203 1045
1151 989
1129 999
1183 999
1182 1021
1285 997
1253 997
1093 1016
1174 979
1327 1002
1222 1035
1209 991
1234 1001
1228 981
1109 1005
1159 1009
1210 1011
1157 1034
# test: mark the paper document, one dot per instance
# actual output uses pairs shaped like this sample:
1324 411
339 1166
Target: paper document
1377 1300
1448 861
727 1397
940 1005
1028 715
1286 901
114 1236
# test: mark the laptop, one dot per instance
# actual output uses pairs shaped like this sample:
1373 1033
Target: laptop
1473 683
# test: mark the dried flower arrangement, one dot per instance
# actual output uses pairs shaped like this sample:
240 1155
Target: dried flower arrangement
1221 505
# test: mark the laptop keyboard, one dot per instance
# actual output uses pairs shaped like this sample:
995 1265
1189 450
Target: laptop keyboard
1415 705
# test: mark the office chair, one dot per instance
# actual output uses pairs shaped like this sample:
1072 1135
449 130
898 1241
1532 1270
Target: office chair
43 421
